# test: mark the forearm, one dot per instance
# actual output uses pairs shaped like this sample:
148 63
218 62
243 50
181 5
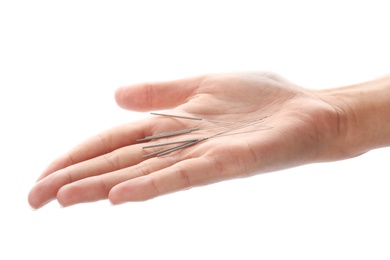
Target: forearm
364 112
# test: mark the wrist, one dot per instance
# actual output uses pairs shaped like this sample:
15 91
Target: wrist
363 111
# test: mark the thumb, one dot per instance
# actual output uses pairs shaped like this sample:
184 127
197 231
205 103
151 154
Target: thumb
156 96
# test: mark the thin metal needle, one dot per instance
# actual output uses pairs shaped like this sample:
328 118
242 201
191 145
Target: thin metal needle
240 124
168 151
169 143
168 134
183 117
191 142
190 130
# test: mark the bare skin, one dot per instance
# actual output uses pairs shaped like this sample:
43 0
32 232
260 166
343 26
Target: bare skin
307 126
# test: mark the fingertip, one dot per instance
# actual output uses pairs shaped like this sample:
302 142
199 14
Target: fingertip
132 98
130 191
32 201
156 96
63 197
119 97
114 196
74 193
35 200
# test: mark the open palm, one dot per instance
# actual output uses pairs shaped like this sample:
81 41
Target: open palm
302 128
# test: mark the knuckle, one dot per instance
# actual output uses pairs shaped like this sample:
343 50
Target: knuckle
184 177
112 161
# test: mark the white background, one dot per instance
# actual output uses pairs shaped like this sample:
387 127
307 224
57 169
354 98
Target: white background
60 63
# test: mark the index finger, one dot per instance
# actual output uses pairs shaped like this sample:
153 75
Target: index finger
100 144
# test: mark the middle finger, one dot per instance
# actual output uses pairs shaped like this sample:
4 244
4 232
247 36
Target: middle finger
97 187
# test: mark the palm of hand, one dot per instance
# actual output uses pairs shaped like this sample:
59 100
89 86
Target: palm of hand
111 164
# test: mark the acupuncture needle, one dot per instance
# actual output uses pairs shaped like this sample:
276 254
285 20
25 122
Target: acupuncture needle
190 142
190 130
169 143
177 116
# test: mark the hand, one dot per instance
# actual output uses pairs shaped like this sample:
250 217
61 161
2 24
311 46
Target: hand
303 129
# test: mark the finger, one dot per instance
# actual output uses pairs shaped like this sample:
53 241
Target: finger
105 142
180 176
97 187
156 96
46 189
